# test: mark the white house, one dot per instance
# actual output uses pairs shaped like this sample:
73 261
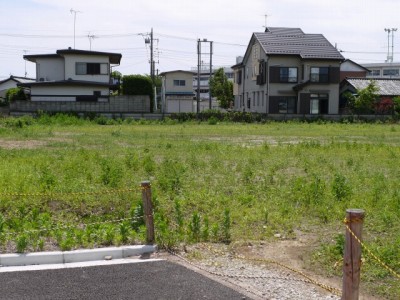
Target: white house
177 91
73 75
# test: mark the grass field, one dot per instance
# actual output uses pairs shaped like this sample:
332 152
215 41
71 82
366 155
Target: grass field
215 183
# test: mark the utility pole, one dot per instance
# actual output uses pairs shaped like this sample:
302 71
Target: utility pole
25 61
211 72
151 57
150 40
200 67
198 75
390 57
74 12
393 30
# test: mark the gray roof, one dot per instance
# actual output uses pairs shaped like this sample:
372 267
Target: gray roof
115 58
18 79
293 41
387 87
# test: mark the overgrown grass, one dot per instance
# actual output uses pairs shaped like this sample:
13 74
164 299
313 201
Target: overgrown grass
212 181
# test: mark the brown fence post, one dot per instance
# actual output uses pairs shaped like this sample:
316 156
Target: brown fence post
352 254
148 211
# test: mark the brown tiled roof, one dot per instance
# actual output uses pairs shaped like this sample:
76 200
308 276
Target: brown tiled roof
293 41
387 87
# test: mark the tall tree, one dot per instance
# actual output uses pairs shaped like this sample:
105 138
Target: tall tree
221 88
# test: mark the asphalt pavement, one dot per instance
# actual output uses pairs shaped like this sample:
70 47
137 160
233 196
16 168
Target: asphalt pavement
146 280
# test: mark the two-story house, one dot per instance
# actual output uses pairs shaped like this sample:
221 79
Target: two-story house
177 91
286 71
73 75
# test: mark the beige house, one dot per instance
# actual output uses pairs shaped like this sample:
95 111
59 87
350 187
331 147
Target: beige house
177 92
286 71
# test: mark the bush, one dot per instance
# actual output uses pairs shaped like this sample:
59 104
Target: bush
138 85
15 94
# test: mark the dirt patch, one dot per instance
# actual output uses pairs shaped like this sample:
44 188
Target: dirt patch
259 258
26 144
30 144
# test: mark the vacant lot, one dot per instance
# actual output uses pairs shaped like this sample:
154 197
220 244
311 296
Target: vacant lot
213 183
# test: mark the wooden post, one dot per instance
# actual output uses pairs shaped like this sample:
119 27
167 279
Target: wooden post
148 211
352 255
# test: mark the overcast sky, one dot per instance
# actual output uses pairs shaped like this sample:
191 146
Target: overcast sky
43 26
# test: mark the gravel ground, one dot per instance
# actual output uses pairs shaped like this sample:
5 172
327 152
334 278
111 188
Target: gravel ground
260 280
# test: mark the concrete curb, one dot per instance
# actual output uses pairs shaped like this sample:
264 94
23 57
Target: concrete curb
61 257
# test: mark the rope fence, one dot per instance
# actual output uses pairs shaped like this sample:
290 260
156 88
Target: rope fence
60 194
370 253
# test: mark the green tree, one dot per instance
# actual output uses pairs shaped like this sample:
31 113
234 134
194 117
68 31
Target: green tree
15 94
221 88
396 104
116 74
366 98
138 85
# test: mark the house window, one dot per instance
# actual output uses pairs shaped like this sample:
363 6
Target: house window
374 73
287 105
239 77
178 82
288 74
391 72
91 68
319 104
320 74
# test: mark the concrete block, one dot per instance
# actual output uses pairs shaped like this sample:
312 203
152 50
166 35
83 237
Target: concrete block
36 258
92 254
138 250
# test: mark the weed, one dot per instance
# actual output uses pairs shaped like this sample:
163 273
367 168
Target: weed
195 227
179 216
2 223
124 232
205 234
137 216
226 226
22 243
340 187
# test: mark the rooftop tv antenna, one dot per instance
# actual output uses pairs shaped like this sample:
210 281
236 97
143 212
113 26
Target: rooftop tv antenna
266 16
72 11
91 37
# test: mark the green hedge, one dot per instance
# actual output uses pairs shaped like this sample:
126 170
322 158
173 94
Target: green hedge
138 85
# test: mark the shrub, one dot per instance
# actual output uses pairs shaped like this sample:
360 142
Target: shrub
14 94
138 85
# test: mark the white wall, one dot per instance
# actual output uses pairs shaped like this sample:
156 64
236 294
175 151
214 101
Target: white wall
5 86
59 93
50 69
72 59
179 106
169 82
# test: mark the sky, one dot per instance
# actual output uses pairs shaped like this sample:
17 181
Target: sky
356 27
